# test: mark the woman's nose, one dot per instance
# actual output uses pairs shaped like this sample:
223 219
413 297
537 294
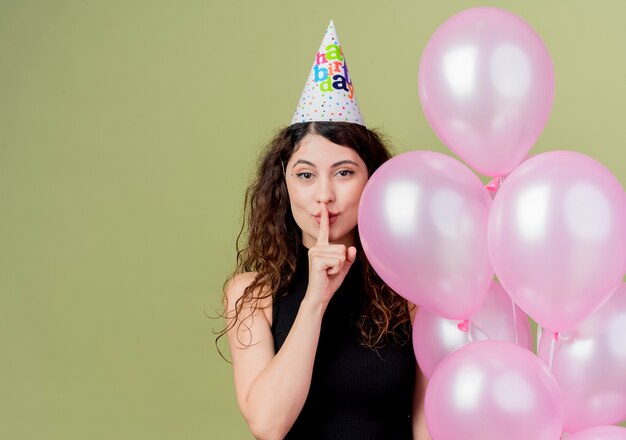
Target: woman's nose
325 191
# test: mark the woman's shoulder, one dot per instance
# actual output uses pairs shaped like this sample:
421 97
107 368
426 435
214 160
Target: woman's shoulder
238 283
236 287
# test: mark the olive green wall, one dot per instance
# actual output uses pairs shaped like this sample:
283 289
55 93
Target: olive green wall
128 130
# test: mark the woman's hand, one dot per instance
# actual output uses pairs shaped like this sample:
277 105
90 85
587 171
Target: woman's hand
328 264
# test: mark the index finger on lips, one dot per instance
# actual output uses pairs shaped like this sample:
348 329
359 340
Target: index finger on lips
322 236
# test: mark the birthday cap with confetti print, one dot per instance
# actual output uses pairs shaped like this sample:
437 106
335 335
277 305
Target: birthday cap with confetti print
328 94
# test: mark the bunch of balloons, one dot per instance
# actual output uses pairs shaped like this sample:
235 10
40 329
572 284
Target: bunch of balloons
554 234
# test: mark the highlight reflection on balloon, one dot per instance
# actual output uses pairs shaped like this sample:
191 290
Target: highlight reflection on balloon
589 362
557 234
486 85
423 226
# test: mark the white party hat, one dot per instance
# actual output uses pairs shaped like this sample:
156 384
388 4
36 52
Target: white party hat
328 94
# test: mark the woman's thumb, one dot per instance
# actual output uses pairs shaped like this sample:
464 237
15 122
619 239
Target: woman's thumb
351 255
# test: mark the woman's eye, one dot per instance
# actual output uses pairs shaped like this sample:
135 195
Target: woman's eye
345 173
304 175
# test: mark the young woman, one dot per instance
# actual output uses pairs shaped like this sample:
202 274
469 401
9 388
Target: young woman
321 347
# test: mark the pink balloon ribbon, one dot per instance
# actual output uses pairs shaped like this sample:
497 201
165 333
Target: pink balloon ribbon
515 320
495 184
463 325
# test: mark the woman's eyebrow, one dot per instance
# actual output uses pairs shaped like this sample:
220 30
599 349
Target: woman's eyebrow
336 164
344 162
306 162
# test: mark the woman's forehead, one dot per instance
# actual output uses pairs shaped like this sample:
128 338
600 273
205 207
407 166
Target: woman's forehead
320 151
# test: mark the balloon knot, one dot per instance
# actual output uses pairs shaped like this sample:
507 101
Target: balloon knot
494 185
463 325
556 336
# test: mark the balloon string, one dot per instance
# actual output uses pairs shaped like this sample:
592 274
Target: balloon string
552 343
480 330
555 337
464 326
515 321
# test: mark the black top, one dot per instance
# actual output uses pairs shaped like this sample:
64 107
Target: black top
356 392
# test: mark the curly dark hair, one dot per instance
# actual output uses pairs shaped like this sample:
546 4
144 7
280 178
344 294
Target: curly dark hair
273 237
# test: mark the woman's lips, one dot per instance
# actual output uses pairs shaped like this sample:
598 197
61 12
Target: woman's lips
332 218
